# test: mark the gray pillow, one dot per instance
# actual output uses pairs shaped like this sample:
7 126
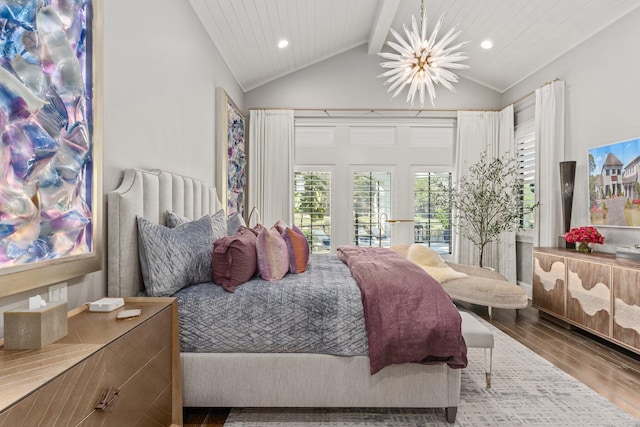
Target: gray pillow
172 258
218 223
234 222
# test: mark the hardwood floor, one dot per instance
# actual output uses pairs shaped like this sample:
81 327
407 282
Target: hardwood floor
610 370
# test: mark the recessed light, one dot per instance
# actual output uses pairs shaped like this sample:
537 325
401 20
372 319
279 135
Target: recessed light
487 44
283 43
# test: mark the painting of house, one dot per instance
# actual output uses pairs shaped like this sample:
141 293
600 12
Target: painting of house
631 179
614 184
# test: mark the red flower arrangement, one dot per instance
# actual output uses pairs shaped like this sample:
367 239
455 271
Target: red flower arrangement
584 236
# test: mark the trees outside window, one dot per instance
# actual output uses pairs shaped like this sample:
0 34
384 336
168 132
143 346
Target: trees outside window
312 208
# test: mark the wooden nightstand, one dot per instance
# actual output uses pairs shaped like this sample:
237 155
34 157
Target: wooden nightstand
131 367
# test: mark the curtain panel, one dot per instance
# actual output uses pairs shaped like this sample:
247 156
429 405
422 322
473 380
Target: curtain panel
271 161
550 118
493 132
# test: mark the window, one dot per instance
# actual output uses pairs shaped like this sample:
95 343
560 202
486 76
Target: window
312 208
526 159
432 216
371 208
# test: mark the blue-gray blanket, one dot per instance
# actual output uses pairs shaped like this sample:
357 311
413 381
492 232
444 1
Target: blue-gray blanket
318 311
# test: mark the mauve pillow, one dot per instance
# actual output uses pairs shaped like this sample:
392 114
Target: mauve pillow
297 246
234 260
273 256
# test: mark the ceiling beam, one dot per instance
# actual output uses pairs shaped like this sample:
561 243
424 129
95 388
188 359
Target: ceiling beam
386 12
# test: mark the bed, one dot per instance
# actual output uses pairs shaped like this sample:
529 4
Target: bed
258 379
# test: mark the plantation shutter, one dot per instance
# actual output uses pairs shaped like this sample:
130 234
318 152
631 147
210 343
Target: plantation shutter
525 149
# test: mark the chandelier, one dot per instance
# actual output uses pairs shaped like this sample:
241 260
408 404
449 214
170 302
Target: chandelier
421 64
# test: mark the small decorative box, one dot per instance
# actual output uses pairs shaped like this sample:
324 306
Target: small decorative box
26 329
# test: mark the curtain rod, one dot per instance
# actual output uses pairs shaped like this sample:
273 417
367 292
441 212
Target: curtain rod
370 110
534 91
367 110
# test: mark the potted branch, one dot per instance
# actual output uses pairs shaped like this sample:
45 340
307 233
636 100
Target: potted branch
488 201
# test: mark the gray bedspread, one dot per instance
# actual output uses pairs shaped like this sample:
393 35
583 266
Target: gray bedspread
319 311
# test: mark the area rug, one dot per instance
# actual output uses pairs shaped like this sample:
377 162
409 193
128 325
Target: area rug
527 390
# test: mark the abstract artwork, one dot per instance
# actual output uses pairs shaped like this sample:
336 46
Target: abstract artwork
614 184
48 164
232 160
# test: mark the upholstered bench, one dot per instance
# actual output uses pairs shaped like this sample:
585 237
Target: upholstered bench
476 335
466 283
485 287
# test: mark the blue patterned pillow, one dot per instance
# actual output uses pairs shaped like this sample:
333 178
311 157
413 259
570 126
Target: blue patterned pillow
172 258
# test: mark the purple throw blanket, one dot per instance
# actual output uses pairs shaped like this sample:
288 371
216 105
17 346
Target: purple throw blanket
408 315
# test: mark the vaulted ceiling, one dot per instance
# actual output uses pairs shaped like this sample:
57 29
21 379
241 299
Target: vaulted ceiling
526 34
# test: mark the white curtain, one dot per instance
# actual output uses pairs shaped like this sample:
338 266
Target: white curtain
506 247
270 156
489 131
549 152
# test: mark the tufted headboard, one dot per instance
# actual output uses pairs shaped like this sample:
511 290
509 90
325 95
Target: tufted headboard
150 194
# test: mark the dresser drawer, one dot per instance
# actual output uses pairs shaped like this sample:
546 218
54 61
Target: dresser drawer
64 401
138 364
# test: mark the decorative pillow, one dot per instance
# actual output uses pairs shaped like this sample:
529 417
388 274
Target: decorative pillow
432 263
218 223
273 257
234 259
443 274
401 249
423 255
234 222
297 246
172 258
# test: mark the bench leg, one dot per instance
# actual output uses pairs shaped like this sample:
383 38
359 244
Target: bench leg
488 366
450 413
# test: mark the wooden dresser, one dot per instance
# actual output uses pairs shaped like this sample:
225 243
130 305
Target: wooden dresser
596 292
129 367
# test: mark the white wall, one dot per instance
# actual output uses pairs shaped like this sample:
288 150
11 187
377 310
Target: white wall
160 72
602 98
349 80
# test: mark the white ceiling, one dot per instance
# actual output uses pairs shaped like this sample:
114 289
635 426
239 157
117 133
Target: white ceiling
527 34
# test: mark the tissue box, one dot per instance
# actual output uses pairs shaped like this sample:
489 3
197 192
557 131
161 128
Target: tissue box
26 329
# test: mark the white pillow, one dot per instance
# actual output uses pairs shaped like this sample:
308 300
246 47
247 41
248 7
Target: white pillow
432 263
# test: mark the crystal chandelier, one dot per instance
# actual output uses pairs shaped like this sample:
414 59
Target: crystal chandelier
421 64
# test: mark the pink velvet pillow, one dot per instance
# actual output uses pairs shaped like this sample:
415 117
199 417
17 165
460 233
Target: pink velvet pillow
273 256
234 260
297 245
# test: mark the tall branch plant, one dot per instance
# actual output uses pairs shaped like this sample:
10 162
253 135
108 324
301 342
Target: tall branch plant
488 201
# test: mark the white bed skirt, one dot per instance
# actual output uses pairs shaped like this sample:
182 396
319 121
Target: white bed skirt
313 380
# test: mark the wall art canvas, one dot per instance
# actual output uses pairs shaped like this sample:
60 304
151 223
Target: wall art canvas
614 184
231 159
50 195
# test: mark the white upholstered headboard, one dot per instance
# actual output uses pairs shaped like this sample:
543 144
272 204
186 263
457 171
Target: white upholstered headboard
150 194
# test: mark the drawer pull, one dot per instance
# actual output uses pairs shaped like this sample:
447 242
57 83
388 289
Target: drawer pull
109 400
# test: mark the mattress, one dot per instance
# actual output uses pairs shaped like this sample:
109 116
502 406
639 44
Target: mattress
318 311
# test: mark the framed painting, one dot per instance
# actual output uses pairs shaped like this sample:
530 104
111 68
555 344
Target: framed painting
51 158
231 158
614 184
